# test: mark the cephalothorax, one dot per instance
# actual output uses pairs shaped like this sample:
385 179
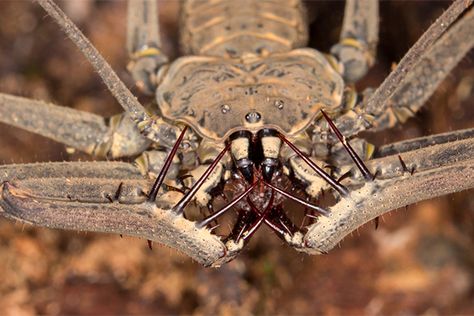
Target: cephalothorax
248 121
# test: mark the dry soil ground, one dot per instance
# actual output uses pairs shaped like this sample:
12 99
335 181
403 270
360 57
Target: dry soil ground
420 261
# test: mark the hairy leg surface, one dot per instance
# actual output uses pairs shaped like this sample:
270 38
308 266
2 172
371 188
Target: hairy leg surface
417 75
154 128
431 69
438 170
102 197
87 132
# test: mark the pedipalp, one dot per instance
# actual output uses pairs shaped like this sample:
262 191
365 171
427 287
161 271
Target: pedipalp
240 124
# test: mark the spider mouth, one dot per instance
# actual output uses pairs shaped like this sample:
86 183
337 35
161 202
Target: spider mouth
258 189
263 194
279 204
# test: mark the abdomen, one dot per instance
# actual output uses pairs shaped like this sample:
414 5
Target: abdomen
231 28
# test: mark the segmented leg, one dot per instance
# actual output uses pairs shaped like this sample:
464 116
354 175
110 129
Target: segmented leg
179 208
358 40
421 142
313 183
379 110
429 72
354 156
104 138
323 174
206 221
144 44
419 154
164 170
91 133
155 128
97 169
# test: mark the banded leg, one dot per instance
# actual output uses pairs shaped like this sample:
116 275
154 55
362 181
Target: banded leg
144 44
154 128
313 183
414 80
206 177
358 40
91 133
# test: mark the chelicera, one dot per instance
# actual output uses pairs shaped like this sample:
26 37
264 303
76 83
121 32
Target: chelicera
248 119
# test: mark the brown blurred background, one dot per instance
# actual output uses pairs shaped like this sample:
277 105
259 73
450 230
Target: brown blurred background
420 261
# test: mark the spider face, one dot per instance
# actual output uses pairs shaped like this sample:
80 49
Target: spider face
263 119
219 96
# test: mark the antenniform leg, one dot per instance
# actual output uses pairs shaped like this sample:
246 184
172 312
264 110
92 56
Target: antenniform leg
358 40
104 138
421 82
415 78
154 128
91 133
144 44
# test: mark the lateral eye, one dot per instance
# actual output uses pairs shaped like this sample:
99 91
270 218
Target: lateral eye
225 108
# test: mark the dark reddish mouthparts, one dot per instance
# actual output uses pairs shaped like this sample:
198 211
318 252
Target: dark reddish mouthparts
257 170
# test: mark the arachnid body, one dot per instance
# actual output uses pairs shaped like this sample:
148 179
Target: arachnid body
236 122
